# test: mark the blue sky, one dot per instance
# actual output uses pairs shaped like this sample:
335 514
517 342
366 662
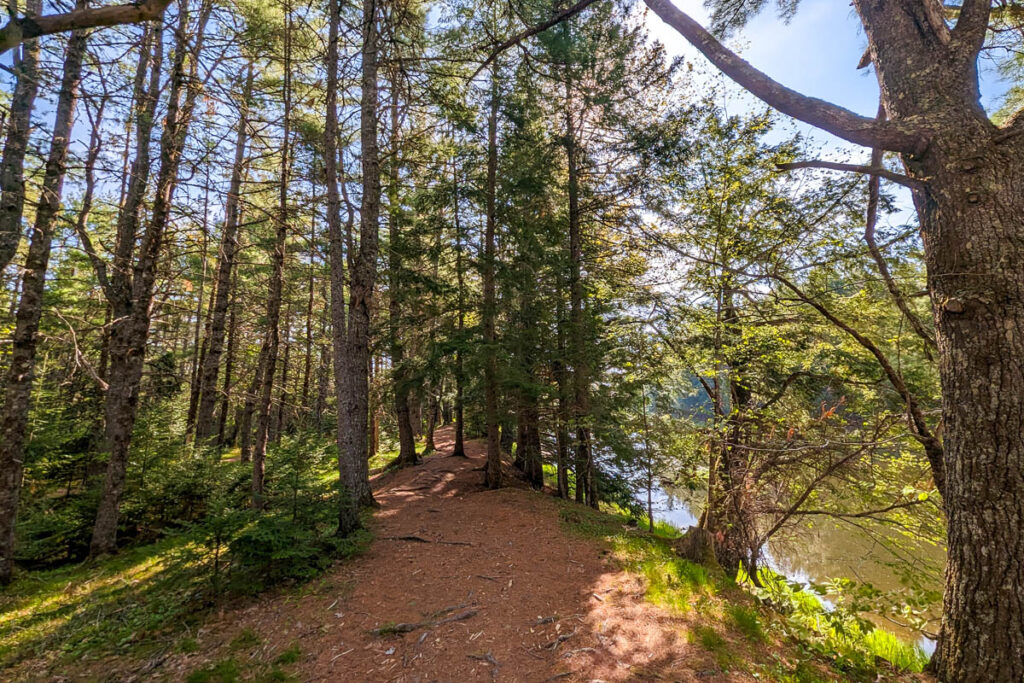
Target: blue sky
816 53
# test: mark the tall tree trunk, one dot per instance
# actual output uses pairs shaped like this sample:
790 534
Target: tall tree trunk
562 442
229 364
971 208
244 426
459 449
307 365
20 372
354 406
133 299
492 473
19 126
399 373
200 342
225 268
122 397
272 340
280 421
585 480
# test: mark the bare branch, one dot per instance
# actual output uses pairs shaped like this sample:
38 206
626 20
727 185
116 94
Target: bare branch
871 220
919 427
825 115
870 169
20 29
555 18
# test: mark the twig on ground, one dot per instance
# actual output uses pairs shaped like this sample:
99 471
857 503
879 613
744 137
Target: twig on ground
420 539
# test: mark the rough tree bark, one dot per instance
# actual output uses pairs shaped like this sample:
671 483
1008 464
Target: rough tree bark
459 449
399 371
968 180
19 124
586 485
130 286
20 29
492 473
272 340
354 405
205 427
20 371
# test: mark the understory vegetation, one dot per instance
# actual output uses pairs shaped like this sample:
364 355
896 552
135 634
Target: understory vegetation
741 623
253 252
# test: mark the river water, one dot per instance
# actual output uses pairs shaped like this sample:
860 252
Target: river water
827 550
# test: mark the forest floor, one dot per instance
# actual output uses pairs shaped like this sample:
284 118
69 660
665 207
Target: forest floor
466 584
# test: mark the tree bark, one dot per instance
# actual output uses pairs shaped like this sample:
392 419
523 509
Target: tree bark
20 372
354 406
225 268
132 286
459 449
272 340
969 196
19 125
585 480
492 472
399 371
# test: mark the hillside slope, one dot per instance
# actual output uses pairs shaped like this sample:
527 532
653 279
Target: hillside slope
466 584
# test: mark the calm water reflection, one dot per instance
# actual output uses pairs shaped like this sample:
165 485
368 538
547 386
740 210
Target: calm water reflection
828 550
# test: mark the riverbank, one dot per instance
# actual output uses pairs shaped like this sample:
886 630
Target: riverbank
459 583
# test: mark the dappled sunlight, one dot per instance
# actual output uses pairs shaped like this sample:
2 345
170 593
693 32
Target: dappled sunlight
82 606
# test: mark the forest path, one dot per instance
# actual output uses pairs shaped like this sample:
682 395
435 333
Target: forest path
498 592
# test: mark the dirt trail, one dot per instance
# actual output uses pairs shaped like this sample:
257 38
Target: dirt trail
510 596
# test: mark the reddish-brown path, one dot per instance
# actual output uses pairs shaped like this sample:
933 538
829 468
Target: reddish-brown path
533 603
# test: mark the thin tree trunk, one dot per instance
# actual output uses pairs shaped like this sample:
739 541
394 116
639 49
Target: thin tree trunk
562 409
200 342
20 372
585 480
228 368
492 473
272 340
19 125
225 269
459 449
128 338
307 368
280 422
400 380
122 397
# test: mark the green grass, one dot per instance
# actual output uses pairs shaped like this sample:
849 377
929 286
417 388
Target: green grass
747 622
385 459
121 603
224 671
135 603
848 645
713 642
245 640
289 656
672 582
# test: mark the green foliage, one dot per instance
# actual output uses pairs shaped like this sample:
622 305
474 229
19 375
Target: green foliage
747 622
129 601
289 656
854 643
224 671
